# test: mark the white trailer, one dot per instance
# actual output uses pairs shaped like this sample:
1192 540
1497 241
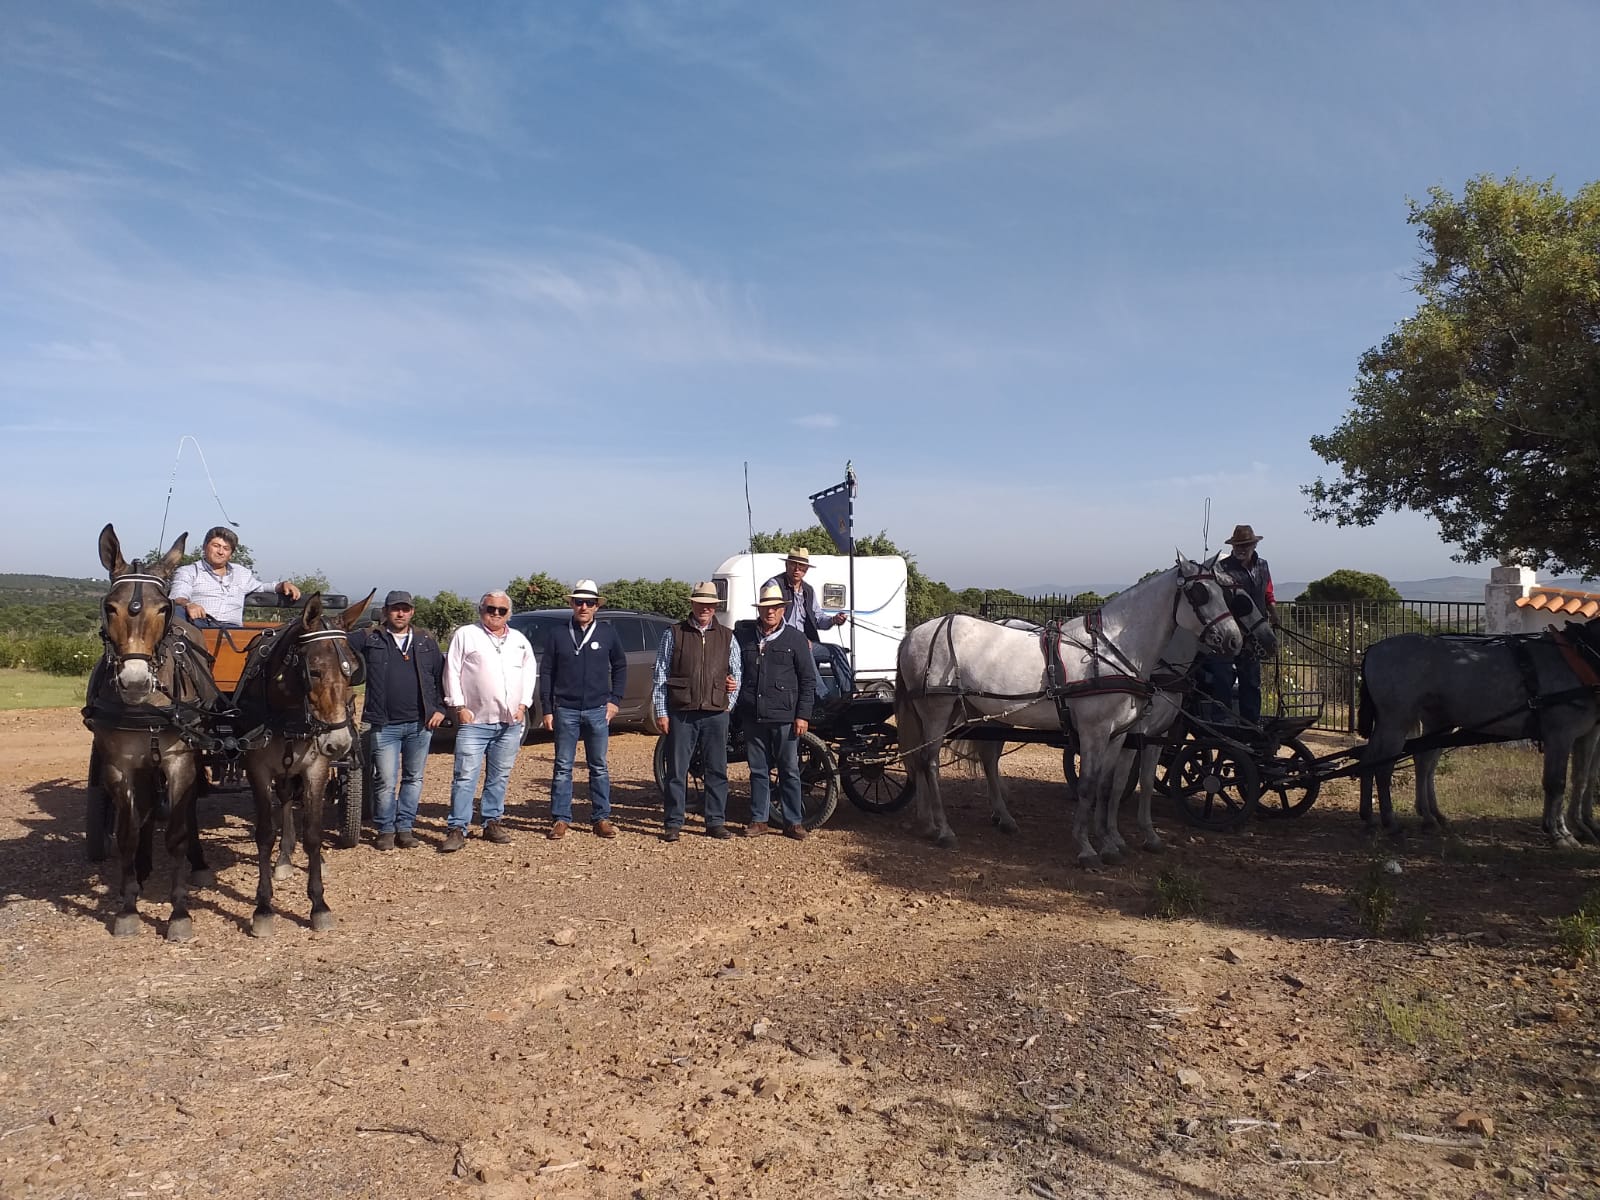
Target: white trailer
877 611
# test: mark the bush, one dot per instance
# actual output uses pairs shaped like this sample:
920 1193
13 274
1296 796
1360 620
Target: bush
1374 901
1347 585
53 653
1178 894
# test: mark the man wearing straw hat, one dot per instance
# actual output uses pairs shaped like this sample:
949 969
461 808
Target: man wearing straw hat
580 690
801 611
1218 675
695 686
777 690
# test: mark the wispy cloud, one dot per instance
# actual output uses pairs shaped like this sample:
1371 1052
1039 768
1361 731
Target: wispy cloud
816 421
463 89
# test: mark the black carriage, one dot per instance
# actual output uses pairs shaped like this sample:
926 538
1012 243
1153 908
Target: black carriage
850 746
220 740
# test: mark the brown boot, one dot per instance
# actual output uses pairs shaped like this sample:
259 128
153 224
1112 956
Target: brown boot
492 832
557 831
604 828
797 832
757 829
384 841
453 841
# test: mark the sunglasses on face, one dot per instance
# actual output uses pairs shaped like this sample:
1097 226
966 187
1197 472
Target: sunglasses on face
493 610
584 603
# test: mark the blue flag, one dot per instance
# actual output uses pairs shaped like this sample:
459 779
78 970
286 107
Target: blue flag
833 508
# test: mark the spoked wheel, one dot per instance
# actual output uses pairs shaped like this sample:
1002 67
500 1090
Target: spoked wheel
1214 784
875 777
695 784
1290 788
99 815
819 780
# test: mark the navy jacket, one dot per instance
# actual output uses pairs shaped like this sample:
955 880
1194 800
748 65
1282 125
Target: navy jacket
779 682
587 678
376 646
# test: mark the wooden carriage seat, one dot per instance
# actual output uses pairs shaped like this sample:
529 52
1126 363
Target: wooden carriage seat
230 647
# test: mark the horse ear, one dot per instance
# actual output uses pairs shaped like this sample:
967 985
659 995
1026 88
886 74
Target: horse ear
311 610
351 615
111 552
169 561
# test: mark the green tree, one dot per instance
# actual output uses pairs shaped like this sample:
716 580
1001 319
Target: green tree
1348 585
317 581
538 590
1086 602
442 613
242 554
667 596
1482 409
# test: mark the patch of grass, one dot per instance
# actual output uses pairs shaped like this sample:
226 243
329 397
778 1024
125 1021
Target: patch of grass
1178 894
1415 1020
1414 924
1374 900
1578 936
34 689
1492 781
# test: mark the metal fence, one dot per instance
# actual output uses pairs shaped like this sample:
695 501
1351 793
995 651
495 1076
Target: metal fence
1317 668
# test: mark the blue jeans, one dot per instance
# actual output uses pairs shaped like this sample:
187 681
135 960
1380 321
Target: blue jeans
842 680
709 732
1218 677
590 724
399 752
499 743
771 744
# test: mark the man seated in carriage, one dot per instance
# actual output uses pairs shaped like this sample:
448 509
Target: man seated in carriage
802 612
212 591
1219 676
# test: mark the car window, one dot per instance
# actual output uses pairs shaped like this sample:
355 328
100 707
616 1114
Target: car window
630 632
535 627
654 627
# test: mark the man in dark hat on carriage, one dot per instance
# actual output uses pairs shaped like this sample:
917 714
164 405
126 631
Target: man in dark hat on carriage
1220 676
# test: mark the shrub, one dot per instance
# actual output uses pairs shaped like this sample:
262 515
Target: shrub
53 653
1374 900
1178 894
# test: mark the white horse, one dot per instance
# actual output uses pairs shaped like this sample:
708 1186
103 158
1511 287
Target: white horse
956 670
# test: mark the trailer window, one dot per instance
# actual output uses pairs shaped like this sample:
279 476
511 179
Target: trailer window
833 595
722 594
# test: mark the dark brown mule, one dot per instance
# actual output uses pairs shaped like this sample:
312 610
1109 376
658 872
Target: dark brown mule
145 688
300 683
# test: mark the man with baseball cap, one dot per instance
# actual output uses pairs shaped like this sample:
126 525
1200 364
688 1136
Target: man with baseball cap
580 690
694 687
777 689
1220 675
802 612
404 704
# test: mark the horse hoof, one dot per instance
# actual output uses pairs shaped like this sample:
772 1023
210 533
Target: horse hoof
262 925
1088 861
125 925
180 929
1006 826
1111 857
1154 845
282 871
322 922
945 841
202 877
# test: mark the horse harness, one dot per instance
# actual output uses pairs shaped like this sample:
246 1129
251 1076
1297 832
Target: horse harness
304 725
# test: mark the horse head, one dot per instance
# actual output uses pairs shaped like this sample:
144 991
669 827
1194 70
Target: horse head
318 672
135 616
1253 623
1203 609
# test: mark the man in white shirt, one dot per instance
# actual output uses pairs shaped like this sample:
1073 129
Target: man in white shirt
490 675
212 591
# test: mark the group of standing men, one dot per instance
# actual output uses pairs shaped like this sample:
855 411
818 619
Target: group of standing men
761 672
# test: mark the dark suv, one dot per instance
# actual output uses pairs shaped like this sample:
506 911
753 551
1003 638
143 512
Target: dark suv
640 634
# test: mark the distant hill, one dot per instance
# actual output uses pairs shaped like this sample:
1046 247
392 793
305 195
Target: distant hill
47 589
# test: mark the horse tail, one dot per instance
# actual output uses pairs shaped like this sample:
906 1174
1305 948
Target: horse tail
1366 717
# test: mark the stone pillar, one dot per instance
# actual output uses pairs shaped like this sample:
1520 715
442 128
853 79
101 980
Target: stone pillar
1506 586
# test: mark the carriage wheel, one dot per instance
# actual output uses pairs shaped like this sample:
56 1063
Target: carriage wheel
694 786
1215 784
99 815
819 780
350 791
1291 788
876 779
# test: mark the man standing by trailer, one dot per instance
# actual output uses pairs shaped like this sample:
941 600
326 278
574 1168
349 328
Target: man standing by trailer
777 687
696 683
801 611
580 690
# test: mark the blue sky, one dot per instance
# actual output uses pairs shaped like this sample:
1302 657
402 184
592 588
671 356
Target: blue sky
450 293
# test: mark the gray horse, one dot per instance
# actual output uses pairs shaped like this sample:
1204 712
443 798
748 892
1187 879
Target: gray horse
957 669
1484 689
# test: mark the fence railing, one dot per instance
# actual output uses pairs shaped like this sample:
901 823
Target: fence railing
1319 645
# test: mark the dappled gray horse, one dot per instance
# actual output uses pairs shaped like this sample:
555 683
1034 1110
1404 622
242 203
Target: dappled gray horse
1483 689
959 669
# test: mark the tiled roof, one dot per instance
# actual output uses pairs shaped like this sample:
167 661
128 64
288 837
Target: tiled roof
1561 600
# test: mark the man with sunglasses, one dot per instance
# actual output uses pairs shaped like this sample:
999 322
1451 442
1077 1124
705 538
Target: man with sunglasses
490 675
580 690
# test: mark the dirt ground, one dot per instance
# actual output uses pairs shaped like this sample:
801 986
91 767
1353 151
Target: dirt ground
858 1015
